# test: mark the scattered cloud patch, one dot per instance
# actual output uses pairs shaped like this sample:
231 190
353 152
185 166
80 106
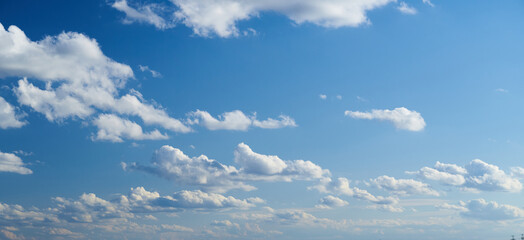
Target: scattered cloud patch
406 9
11 163
403 187
483 210
113 128
331 202
237 120
8 117
154 73
322 96
501 90
147 14
402 118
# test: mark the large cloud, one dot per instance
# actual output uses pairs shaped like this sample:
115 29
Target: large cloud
484 210
211 175
11 163
8 116
477 175
402 117
220 17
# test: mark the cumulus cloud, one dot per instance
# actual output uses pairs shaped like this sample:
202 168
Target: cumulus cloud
330 202
12 163
113 128
403 186
517 171
481 209
237 120
406 9
147 13
477 175
341 186
210 175
8 116
221 17
402 118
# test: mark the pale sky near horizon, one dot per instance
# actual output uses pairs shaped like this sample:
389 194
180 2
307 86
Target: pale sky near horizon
261 119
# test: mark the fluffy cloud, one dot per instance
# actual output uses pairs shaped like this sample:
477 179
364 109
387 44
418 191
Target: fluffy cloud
210 175
403 186
330 202
481 209
237 120
8 116
402 118
113 128
12 163
144 14
517 171
477 175
220 17
80 81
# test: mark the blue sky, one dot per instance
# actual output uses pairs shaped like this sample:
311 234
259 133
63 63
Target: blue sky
339 119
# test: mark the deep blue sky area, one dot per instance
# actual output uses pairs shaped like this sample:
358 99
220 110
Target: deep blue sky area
336 119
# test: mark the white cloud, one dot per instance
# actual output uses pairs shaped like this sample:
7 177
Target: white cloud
477 175
79 79
340 186
481 209
12 163
501 90
428 2
237 120
322 96
148 13
330 202
339 97
402 118
406 9
208 174
220 17
8 116
517 171
403 186
113 128
176 228
147 69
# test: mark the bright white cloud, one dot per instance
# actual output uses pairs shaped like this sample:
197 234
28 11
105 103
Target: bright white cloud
322 96
148 13
12 163
518 172
8 116
220 17
481 209
402 118
113 128
476 175
237 120
406 9
403 186
208 174
330 202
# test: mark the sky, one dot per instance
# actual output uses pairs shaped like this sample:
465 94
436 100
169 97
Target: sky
261 119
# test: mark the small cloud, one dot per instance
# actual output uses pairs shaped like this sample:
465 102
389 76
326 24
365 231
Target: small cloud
501 90
323 96
361 99
339 97
406 9
154 73
402 117
428 2
192 146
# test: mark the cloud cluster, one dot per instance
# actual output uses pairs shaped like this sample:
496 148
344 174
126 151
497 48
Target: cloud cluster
80 82
402 118
11 163
220 17
477 175
331 202
210 175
